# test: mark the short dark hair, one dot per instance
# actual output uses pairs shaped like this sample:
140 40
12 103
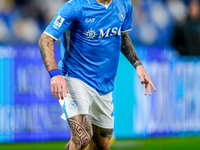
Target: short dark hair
198 1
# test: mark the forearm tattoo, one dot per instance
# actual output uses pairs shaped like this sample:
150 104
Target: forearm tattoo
128 50
47 52
81 130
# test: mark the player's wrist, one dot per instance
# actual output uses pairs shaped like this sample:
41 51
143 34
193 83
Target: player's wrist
54 72
137 64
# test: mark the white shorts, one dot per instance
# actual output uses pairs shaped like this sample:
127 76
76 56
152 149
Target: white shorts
83 99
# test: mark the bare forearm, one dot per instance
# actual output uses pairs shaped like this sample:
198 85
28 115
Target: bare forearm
128 50
47 52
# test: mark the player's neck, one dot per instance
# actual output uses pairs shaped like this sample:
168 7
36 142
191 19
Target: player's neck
105 2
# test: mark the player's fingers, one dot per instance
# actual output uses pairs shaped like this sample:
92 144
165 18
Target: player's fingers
149 86
152 85
145 89
52 91
56 92
67 88
60 93
142 80
65 91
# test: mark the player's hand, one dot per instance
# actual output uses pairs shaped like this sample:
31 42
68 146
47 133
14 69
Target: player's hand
59 87
142 74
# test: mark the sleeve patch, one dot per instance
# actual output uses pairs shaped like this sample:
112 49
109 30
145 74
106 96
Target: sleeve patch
58 22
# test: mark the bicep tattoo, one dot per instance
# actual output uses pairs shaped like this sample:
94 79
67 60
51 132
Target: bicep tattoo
128 50
47 52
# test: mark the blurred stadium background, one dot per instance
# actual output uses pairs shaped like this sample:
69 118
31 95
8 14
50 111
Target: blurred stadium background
169 119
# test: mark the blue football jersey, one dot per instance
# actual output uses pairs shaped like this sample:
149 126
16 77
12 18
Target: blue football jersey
91 40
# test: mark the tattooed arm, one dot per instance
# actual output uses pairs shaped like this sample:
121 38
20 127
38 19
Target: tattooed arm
58 84
47 52
129 52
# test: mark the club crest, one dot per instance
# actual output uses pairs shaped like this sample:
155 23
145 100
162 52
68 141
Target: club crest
121 16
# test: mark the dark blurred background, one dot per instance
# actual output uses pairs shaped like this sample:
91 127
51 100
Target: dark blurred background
166 36
24 20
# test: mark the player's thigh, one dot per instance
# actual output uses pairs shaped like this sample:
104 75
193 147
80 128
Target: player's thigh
102 118
81 129
101 111
101 137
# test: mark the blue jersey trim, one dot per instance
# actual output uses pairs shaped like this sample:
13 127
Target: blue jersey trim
127 30
50 35
64 110
92 2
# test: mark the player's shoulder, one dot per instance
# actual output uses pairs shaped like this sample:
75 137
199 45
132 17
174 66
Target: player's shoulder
72 5
126 3
76 3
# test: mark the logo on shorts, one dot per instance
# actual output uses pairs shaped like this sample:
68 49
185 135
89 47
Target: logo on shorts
73 105
112 114
58 22
121 16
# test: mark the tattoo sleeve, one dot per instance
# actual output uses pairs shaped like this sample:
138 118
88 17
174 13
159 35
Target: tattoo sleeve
47 52
128 50
67 147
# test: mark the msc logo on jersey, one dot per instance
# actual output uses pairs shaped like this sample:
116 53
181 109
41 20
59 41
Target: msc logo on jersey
121 16
58 22
91 34
87 20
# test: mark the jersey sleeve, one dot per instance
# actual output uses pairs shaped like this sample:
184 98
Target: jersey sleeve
62 21
127 25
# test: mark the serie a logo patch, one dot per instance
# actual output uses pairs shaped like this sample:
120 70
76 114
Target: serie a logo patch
58 22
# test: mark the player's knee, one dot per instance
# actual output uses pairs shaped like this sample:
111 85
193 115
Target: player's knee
80 142
81 131
104 145
82 139
104 139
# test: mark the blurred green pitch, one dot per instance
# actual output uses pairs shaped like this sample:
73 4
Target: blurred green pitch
190 143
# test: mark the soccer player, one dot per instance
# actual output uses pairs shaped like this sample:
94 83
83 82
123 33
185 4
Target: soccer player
92 34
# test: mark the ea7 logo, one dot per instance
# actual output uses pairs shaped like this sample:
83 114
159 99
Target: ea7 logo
87 20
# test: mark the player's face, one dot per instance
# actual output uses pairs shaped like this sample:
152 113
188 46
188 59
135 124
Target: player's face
194 9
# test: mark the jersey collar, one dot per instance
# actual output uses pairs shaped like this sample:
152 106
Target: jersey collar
92 1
